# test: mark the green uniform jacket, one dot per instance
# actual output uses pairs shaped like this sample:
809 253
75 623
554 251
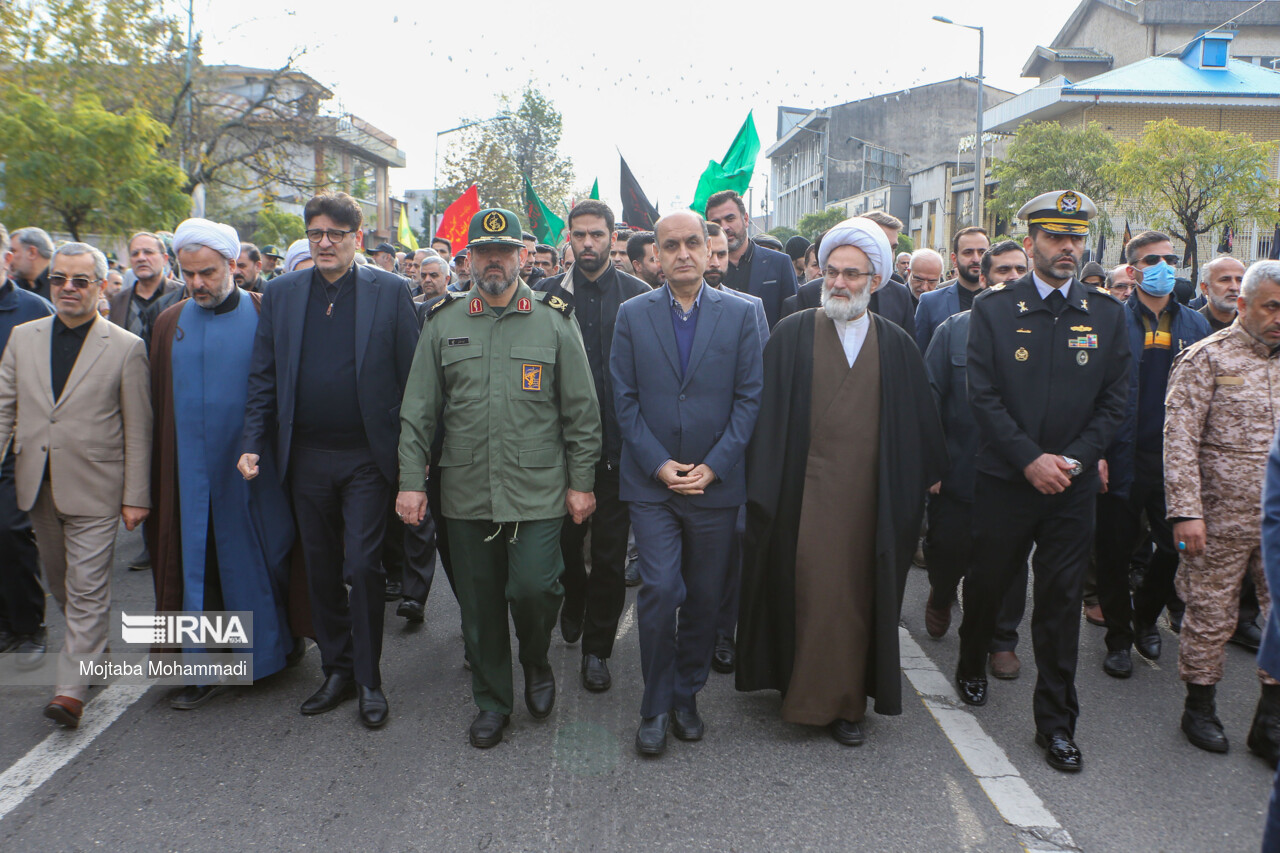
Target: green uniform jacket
515 397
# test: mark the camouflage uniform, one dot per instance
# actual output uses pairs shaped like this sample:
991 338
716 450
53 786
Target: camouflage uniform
1222 410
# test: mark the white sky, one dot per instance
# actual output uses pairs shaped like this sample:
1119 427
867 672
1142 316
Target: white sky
667 81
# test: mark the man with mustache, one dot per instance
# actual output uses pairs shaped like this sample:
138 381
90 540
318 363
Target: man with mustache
1221 287
967 248
503 371
847 444
1222 400
1048 372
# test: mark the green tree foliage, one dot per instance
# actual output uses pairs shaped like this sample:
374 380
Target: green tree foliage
83 168
813 224
905 244
783 233
1191 181
277 227
1046 156
498 155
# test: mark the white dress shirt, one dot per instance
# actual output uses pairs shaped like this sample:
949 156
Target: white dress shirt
853 334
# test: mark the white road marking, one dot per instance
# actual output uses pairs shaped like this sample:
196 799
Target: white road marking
1020 807
32 770
628 619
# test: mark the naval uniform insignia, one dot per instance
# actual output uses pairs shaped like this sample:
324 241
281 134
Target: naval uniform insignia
1021 354
1022 307
477 307
1084 303
1082 358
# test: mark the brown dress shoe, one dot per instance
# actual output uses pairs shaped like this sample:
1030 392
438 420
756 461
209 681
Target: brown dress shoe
1005 665
65 711
936 619
1093 615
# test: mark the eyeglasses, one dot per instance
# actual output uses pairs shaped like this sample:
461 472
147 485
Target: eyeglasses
919 279
79 282
850 274
315 235
1152 260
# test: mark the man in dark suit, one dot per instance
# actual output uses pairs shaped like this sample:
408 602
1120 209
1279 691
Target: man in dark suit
596 289
967 248
330 389
687 378
891 300
752 269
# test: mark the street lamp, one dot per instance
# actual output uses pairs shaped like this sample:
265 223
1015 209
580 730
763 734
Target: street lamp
979 177
435 166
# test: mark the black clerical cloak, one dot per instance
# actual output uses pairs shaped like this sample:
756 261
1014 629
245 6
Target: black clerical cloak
913 457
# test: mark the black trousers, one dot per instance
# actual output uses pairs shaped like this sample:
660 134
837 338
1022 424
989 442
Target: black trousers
340 503
727 618
409 555
948 551
442 529
1014 516
1119 534
600 596
21 596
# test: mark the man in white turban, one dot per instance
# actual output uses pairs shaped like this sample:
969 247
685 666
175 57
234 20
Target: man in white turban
298 256
847 444
217 541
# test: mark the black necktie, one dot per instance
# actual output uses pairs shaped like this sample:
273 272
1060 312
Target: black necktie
1056 302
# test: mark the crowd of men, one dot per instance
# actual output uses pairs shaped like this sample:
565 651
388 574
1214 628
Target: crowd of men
300 435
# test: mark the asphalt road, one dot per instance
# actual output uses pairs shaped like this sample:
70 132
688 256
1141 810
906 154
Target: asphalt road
248 772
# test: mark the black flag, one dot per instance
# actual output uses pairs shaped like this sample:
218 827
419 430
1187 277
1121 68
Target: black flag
636 209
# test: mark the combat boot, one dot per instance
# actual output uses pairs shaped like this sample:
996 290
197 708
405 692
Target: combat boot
1264 734
1200 721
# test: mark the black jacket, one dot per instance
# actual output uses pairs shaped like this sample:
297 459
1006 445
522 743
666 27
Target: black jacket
617 287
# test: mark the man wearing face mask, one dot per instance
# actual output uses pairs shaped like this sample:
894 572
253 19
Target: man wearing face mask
1159 329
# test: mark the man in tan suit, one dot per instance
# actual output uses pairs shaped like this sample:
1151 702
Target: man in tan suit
75 402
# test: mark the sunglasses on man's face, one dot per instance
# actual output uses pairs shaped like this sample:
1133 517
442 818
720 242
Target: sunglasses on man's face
79 282
1152 260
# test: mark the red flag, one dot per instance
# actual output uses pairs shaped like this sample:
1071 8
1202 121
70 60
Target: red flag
457 219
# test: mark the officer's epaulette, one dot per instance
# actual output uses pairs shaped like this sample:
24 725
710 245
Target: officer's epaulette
556 302
449 296
996 287
1105 292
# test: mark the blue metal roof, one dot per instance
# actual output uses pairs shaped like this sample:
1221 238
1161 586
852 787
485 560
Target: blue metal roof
1167 75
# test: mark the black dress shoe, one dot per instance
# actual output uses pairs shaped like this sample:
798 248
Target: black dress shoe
848 732
30 649
395 591
1247 635
373 707
651 737
973 691
486 729
8 640
190 698
595 674
1146 639
1118 664
297 653
337 688
141 561
539 690
1061 752
1175 620
570 626
631 574
725 655
687 725
414 611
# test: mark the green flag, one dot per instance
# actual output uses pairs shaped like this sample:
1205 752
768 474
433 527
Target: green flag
595 190
545 224
734 171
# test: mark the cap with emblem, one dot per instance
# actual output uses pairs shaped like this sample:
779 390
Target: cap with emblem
272 252
495 226
1060 212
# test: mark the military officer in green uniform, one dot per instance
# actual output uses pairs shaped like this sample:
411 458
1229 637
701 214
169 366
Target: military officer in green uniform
502 370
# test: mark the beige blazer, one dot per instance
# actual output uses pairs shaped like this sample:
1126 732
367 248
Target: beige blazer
96 438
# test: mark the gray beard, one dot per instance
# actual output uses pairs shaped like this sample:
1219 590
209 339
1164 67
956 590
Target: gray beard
845 310
494 288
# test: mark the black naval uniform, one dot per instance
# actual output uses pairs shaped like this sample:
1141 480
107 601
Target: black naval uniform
1042 379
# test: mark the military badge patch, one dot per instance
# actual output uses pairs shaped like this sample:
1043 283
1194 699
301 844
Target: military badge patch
524 304
1022 354
1083 342
477 306
531 375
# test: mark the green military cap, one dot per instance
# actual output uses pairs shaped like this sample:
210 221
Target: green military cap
272 251
1060 212
495 226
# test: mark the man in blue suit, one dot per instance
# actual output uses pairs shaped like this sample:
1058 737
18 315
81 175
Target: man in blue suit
687 376
967 248
330 389
752 269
